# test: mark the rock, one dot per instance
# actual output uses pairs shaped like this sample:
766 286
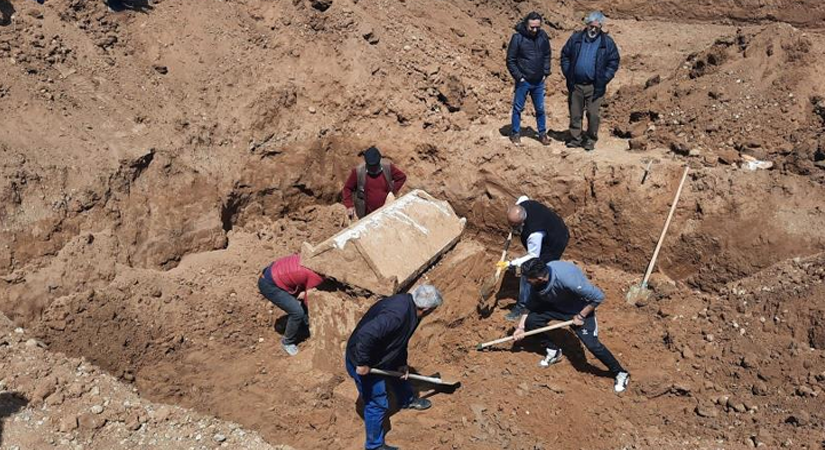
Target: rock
638 144
728 156
89 421
749 361
370 36
156 292
799 419
33 343
680 148
759 388
67 424
219 438
96 409
687 353
706 411
321 5
805 391
662 284
43 389
653 81
163 70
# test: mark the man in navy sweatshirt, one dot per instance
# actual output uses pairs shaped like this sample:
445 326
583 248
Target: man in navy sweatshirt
589 61
380 341
562 292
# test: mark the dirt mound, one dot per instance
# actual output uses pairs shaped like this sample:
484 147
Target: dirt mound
808 13
66 402
753 93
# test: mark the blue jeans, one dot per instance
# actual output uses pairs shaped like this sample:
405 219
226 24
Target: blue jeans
524 290
536 92
295 309
373 390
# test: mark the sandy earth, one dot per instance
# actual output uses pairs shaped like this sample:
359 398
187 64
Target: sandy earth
152 162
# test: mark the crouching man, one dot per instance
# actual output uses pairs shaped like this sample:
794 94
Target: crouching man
380 341
560 291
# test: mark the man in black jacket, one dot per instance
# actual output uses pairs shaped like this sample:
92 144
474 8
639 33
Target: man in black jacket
528 60
589 61
543 234
380 341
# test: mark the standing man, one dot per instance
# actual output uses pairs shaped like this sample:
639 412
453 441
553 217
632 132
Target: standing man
528 60
589 61
543 234
380 341
370 183
562 292
285 283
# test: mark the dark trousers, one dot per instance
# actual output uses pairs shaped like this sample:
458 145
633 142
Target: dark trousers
581 101
296 309
587 333
373 390
536 92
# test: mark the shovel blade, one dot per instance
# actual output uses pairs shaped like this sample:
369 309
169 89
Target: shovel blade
488 288
637 294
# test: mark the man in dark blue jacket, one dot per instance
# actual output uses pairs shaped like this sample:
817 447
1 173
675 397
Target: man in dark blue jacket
589 61
380 341
562 292
528 60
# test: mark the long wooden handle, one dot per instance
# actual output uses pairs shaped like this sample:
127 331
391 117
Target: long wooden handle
664 230
504 253
529 333
392 373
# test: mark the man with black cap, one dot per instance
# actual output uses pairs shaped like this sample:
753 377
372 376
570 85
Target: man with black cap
543 234
562 292
369 184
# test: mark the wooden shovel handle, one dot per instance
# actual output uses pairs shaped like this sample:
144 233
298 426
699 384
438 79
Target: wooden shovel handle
392 373
504 253
664 230
529 333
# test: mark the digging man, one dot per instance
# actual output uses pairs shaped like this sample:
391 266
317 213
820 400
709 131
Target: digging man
380 341
562 292
589 61
370 183
285 283
543 234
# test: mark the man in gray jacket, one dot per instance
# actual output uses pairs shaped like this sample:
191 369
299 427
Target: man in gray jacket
562 292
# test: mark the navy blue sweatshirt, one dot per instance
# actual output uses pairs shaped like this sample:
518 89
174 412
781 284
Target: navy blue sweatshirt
381 337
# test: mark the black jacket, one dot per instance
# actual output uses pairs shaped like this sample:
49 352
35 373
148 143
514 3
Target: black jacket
542 218
528 56
607 61
381 337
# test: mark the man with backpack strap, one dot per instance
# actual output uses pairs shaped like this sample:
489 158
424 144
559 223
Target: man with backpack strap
369 184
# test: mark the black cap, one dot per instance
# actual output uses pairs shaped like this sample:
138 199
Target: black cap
372 156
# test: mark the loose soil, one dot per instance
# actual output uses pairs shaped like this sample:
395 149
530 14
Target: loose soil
154 161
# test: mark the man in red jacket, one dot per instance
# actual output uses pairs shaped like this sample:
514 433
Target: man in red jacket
369 184
285 283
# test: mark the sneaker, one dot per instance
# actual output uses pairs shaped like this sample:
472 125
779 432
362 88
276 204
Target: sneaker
514 314
589 145
621 382
291 349
573 144
515 139
544 139
553 356
419 404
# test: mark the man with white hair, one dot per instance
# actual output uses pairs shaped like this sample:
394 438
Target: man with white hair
380 341
589 61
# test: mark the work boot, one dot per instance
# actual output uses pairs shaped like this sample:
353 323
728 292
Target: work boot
553 356
515 139
514 314
573 144
589 145
419 404
622 378
291 349
544 139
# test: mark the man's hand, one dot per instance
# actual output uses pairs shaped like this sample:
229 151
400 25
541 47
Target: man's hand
406 371
351 212
362 370
578 320
302 296
518 334
503 265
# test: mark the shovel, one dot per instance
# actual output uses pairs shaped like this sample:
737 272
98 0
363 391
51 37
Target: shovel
489 285
529 333
412 376
640 292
